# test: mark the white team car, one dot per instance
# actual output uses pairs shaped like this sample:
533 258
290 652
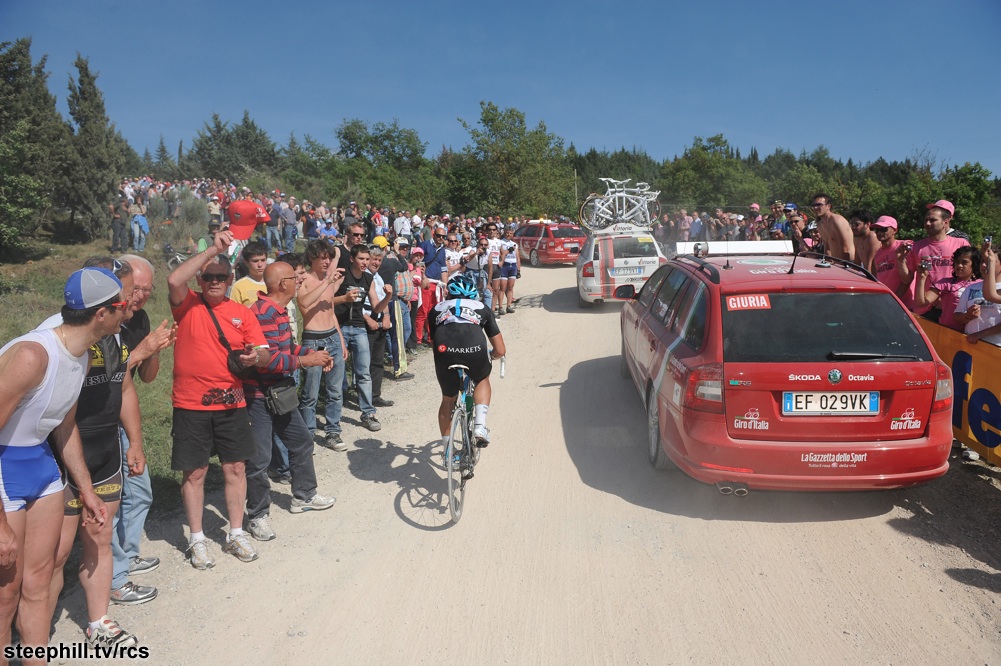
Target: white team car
620 254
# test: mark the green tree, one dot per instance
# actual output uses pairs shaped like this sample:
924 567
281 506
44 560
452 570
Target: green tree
522 169
20 192
25 101
89 182
212 152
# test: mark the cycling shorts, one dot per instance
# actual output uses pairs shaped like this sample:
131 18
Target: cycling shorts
109 490
508 271
460 344
27 473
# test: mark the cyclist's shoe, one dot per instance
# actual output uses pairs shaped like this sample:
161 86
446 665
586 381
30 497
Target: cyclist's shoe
198 553
467 472
241 547
109 634
481 435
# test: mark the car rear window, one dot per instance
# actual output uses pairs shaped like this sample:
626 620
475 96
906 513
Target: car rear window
566 232
808 326
633 248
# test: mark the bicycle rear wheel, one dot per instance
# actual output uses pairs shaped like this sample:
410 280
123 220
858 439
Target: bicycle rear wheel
455 452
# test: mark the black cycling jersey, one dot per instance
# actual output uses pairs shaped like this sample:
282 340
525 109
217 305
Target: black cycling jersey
459 331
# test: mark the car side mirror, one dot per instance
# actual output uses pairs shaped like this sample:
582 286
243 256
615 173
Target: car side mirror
626 292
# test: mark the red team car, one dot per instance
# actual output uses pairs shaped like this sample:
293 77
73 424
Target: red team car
758 376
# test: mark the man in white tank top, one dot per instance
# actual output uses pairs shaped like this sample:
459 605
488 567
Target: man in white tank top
41 374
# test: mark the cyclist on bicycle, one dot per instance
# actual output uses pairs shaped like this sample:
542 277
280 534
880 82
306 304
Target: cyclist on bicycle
460 327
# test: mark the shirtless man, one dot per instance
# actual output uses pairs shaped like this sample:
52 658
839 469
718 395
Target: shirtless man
834 229
321 331
866 243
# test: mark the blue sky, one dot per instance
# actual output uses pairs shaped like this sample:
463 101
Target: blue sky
865 79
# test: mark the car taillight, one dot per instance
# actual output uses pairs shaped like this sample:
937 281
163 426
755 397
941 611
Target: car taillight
588 270
704 388
663 260
552 243
943 389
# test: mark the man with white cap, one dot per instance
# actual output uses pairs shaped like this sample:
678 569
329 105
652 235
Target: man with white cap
41 375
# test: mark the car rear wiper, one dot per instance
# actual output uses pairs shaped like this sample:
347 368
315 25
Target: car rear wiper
866 356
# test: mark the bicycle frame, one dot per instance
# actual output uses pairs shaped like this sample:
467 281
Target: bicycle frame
461 454
636 205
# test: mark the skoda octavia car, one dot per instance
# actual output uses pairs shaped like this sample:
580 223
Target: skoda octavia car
549 242
782 372
620 254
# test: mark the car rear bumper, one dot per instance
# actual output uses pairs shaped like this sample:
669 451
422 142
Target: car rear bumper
782 465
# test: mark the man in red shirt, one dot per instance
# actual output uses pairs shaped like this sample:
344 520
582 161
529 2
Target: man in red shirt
209 408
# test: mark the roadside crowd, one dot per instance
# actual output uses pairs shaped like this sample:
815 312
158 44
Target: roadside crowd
941 277
247 387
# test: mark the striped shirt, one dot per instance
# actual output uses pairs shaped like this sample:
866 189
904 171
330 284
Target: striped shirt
285 352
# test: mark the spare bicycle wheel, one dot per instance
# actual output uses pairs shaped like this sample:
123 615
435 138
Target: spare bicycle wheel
594 214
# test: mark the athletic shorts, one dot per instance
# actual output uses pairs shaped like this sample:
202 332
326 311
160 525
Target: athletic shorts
102 451
460 344
27 473
200 434
508 271
109 490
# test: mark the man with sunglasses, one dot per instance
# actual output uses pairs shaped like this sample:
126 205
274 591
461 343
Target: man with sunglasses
354 235
144 347
884 261
108 398
210 413
834 229
41 376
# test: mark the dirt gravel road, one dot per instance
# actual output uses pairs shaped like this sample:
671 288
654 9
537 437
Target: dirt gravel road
572 549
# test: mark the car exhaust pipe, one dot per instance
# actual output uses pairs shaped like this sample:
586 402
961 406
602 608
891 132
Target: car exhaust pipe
724 487
740 490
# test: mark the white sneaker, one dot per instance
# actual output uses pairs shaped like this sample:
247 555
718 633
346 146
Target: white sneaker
481 435
315 503
261 530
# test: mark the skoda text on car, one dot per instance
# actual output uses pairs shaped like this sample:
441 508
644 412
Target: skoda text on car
621 254
544 242
755 377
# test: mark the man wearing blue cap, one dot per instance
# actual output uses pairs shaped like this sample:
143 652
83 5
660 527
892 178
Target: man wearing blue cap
41 374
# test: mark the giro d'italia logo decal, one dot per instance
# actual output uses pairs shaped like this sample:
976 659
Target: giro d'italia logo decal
442 348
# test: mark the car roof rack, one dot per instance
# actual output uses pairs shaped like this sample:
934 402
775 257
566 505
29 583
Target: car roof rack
702 265
826 260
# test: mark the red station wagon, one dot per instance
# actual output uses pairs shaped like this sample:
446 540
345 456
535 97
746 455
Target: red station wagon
758 372
555 243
